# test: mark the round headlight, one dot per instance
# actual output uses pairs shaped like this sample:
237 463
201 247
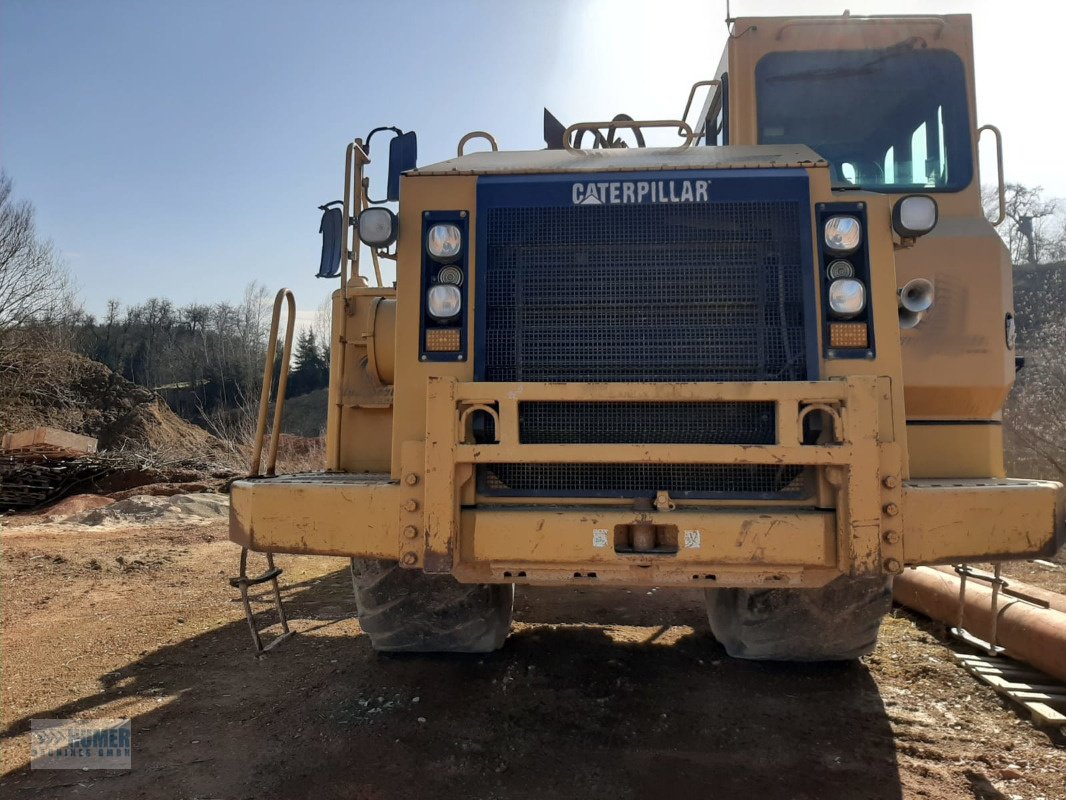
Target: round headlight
840 269
444 241
847 297
843 234
444 301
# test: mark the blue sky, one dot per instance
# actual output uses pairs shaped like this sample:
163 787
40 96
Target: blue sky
181 149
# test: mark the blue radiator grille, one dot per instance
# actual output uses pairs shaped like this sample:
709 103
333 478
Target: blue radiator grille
663 292
667 292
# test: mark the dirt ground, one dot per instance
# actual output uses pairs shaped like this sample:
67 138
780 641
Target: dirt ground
598 693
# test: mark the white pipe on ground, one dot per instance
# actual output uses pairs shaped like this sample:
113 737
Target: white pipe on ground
1031 634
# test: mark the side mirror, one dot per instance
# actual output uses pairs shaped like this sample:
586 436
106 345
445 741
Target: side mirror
332 236
403 155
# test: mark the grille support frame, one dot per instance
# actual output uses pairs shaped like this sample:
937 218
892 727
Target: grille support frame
723 271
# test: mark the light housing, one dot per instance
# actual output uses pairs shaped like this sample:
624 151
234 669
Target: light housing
914 215
444 241
840 269
847 297
444 301
842 234
377 227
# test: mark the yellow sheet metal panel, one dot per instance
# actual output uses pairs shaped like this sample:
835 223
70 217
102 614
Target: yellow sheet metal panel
320 514
994 518
955 451
585 535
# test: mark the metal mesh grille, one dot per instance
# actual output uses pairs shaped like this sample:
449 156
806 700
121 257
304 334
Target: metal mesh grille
644 293
551 422
664 292
642 480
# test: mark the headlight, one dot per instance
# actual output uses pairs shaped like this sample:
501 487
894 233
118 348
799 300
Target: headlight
914 216
843 234
444 301
847 297
443 241
377 227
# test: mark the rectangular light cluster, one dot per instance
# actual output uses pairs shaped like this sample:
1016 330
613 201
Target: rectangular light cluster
442 340
848 334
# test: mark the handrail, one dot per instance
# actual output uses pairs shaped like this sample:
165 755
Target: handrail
692 96
488 137
999 169
283 383
354 160
847 18
683 128
364 203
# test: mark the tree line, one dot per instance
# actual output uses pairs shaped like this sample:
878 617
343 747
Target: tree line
203 358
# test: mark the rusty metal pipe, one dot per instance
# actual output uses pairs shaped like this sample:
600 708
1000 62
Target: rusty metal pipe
1031 634
1055 601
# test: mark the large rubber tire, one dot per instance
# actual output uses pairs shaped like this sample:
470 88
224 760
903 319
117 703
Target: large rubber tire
404 610
837 622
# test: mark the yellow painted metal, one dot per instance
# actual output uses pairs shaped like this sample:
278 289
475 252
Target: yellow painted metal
956 451
368 516
359 422
956 364
319 514
284 296
567 536
980 519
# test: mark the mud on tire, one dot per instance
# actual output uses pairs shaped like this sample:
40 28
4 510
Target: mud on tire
836 622
404 610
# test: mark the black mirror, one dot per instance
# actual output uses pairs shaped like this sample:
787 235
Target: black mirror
330 228
403 155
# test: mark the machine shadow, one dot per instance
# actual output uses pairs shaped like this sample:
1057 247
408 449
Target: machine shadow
578 702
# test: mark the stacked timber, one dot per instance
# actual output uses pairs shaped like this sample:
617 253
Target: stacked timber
42 464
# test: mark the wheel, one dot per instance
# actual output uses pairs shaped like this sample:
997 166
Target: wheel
404 610
836 622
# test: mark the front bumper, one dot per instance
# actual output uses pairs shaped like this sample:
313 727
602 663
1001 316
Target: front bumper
871 521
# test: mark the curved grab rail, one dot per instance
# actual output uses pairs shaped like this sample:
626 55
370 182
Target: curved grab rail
683 128
488 137
692 97
283 382
847 19
1002 188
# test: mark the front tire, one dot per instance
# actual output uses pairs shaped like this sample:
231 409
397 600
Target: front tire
404 610
836 622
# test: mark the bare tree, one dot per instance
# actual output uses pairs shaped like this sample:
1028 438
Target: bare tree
1035 226
33 283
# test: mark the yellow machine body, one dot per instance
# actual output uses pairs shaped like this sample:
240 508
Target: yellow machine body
907 469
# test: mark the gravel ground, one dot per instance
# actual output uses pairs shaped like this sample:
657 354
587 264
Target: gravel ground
598 693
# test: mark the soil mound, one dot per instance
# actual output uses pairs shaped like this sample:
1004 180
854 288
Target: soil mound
60 389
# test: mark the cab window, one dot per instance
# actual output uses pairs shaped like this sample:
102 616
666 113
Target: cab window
887 120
